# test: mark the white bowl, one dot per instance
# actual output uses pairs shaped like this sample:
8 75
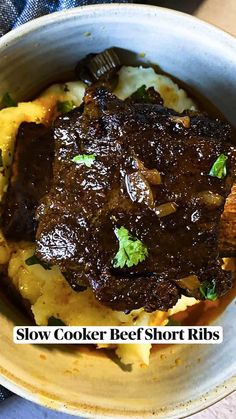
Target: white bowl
84 383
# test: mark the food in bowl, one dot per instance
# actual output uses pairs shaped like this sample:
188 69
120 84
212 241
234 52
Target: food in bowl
121 188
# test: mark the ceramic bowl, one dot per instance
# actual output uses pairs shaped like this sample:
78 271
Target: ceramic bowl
81 382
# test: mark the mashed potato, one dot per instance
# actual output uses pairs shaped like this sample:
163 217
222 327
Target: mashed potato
47 291
41 110
131 78
49 295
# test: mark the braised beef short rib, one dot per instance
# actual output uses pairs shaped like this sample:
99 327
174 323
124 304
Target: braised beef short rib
30 180
87 203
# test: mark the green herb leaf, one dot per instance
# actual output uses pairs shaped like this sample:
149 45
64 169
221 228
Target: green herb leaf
8 101
33 260
86 159
141 93
208 290
172 322
145 95
53 321
219 168
131 250
64 107
1 161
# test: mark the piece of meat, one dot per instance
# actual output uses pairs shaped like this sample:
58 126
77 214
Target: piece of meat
227 236
30 180
85 206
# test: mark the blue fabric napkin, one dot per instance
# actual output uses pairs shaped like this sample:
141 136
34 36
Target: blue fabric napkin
14 13
4 393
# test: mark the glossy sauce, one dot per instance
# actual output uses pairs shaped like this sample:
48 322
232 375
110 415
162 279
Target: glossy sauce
204 312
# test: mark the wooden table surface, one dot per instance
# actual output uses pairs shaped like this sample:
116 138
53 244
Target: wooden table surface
221 13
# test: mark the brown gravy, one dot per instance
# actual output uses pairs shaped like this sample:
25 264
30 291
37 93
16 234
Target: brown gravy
204 312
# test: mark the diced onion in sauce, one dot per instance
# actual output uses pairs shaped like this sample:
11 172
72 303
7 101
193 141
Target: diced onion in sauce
183 120
139 164
153 176
191 285
165 209
211 199
190 282
139 189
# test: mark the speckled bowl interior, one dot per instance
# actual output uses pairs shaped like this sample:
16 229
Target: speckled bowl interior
81 382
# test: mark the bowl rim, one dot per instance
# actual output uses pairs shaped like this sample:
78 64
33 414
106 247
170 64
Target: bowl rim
7 379
59 16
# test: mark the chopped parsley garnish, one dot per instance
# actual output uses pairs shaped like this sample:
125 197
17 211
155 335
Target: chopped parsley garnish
53 321
8 101
145 95
33 260
86 159
208 290
1 161
219 168
66 106
141 93
131 250
172 322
